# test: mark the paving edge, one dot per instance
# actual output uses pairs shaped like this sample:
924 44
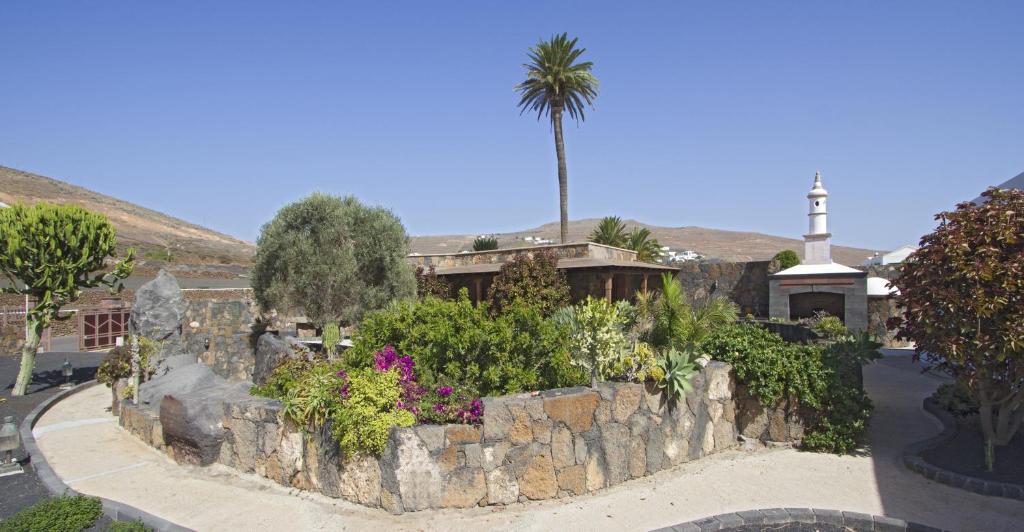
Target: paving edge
117 511
779 516
913 461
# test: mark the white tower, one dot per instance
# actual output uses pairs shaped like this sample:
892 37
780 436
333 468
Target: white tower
817 241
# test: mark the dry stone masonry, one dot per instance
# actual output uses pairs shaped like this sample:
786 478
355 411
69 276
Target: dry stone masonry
555 444
552 444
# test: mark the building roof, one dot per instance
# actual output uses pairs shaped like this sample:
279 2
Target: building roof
877 287
818 269
563 264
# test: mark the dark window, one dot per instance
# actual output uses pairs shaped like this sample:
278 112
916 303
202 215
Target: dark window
806 304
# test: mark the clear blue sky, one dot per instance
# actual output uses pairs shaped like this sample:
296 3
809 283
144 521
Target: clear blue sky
714 114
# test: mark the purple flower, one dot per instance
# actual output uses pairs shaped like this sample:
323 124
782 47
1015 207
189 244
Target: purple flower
444 391
439 408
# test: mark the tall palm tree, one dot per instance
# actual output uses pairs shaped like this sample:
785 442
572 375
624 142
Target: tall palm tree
610 231
555 84
647 249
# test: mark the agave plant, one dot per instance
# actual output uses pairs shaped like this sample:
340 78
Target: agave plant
679 367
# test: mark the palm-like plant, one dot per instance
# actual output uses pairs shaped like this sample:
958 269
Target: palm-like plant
555 84
485 243
610 231
675 320
647 249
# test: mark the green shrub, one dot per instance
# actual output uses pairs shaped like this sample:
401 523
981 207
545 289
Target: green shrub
596 338
827 326
637 365
369 411
786 258
770 367
118 362
956 398
457 343
285 377
825 378
58 514
128 526
316 396
534 281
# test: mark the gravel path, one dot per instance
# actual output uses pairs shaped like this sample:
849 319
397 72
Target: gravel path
98 458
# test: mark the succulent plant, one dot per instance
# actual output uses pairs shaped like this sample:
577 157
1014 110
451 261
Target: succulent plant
679 367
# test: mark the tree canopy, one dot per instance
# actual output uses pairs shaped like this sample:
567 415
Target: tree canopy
963 297
333 259
50 253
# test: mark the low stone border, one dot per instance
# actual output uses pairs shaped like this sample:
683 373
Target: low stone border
117 511
781 516
912 460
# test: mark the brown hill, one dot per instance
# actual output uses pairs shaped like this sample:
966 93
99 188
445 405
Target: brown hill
152 233
712 243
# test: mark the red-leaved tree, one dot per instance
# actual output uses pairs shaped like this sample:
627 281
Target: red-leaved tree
963 295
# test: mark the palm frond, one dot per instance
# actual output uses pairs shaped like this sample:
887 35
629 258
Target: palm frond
610 231
556 81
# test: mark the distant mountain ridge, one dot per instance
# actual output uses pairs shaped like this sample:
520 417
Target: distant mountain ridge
152 231
713 243
145 229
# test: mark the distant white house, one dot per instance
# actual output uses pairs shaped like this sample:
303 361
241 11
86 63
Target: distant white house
895 256
2 205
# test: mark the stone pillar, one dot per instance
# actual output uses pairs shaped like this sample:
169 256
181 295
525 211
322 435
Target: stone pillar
479 285
608 286
643 284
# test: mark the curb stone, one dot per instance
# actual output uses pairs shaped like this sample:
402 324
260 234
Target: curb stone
913 461
778 516
117 511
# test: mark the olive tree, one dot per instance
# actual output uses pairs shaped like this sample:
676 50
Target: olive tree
333 259
50 253
963 295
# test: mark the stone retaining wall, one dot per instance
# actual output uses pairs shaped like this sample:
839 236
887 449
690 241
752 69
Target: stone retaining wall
745 283
555 444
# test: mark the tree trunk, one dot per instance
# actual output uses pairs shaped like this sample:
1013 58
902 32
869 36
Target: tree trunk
33 331
988 432
563 174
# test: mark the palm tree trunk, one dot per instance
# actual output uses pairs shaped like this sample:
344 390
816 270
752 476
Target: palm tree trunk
33 331
563 174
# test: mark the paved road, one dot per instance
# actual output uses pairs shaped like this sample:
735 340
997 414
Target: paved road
85 446
20 491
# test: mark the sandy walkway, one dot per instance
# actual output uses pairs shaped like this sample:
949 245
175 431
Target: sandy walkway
96 457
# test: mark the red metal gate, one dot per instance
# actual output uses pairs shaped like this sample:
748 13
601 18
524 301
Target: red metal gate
100 327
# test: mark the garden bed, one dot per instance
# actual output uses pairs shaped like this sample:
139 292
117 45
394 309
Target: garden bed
964 453
546 445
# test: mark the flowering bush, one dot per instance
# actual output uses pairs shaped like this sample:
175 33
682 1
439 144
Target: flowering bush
364 403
